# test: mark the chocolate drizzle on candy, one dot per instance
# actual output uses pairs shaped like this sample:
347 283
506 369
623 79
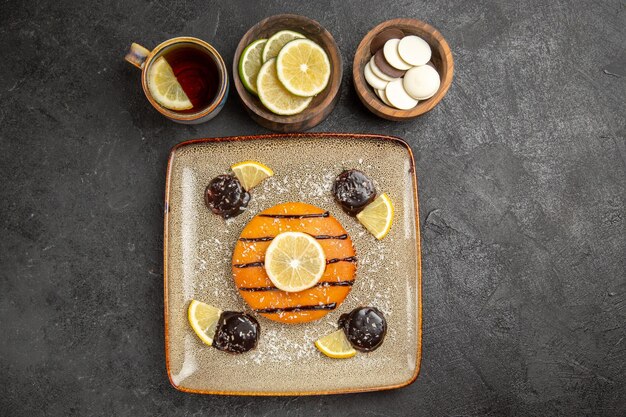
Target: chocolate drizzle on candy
365 328
236 332
353 190
225 196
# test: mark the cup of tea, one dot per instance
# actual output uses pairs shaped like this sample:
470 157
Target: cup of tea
184 78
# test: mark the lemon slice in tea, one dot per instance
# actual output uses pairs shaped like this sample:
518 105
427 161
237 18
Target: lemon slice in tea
303 67
165 88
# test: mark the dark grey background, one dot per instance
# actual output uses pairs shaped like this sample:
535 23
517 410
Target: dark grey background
522 180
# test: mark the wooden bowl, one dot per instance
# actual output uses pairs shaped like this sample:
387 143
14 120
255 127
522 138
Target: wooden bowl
322 104
441 59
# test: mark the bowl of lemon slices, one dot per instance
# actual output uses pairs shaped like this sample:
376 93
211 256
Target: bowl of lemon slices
287 71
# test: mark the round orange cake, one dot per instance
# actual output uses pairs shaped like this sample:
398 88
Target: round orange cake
294 307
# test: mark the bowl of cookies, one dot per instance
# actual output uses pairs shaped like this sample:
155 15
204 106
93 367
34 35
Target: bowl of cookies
402 69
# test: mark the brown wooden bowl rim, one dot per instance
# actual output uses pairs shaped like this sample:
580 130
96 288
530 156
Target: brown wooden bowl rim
334 83
365 92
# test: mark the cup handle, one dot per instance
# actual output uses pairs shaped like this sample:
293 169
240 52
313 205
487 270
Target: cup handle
137 55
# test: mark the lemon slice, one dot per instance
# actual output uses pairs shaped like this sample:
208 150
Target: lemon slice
294 261
377 216
165 88
203 319
250 64
276 42
303 67
251 173
335 345
274 95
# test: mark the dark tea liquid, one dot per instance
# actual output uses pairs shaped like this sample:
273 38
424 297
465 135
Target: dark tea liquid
197 73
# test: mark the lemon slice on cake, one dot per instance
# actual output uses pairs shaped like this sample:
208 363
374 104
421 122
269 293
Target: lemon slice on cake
294 261
377 216
251 173
203 319
165 88
303 67
335 345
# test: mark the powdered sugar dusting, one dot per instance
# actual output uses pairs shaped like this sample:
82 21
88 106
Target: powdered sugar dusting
278 346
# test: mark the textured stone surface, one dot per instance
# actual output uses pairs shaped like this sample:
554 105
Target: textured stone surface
522 182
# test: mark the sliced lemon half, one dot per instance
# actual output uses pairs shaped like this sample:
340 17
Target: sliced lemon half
251 173
303 67
294 261
276 42
203 319
335 345
275 96
165 88
377 216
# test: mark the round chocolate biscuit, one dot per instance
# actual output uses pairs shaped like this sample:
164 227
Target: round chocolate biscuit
379 40
385 67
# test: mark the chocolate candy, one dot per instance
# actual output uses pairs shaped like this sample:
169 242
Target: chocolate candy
236 332
365 328
353 190
226 196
